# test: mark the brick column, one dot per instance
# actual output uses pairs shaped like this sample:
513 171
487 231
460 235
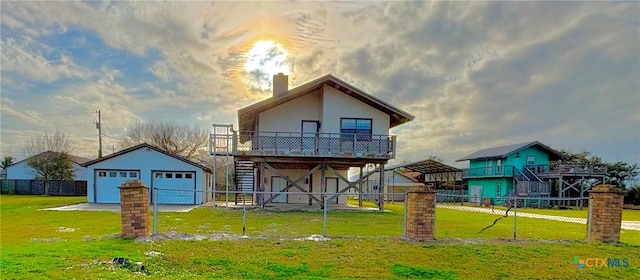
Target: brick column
606 217
134 209
421 214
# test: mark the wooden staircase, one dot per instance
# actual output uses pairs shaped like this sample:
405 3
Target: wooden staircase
528 184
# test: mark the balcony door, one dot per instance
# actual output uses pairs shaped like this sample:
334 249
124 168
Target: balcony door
310 131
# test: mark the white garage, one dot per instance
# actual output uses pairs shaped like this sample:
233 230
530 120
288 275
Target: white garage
177 180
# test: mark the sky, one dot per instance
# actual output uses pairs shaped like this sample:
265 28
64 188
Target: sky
475 74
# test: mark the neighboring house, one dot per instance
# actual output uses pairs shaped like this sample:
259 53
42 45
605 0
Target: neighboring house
432 173
188 181
524 170
303 140
395 183
21 170
22 179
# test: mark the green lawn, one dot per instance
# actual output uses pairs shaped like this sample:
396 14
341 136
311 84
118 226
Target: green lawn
38 244
627 214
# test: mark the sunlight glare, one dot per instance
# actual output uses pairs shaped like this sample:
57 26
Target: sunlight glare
265 59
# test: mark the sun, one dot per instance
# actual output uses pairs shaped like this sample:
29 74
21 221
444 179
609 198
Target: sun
265 59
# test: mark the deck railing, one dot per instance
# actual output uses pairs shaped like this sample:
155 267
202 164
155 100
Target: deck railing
264 143
532 188
489 171
544 169
541 170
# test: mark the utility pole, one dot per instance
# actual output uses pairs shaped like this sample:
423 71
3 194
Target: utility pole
99 127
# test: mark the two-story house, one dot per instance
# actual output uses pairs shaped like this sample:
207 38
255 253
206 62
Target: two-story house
524 170
302 141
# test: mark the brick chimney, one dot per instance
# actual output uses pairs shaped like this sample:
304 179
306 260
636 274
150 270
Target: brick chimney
280 84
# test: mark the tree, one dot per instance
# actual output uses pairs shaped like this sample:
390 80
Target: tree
190 142
49 157
6 162
179 139
632 195
619 172
581 158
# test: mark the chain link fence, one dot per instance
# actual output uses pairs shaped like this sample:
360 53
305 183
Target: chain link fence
235 215
464 216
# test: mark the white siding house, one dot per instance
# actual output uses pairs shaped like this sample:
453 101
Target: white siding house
21 170
395 184
303 140
185 181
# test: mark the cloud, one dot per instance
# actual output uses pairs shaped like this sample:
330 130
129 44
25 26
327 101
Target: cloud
475 74
35 62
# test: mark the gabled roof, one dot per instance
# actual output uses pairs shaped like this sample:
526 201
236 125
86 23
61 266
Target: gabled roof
75 159
247 115
145 145
504 151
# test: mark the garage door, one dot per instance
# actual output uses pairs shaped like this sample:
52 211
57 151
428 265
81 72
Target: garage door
176 187
108 181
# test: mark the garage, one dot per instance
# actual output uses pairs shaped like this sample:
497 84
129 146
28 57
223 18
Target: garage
175 187
107 183
177 179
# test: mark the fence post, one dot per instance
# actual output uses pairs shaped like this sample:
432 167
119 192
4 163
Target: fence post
421 214
244 215
589 218
606 219
134 209
404 222
155 210
515 218
326 218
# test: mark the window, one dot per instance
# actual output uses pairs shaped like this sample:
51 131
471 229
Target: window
158 175
112 174
123 174
168 175
187 176
133 174
102 174
531 159
360 127
178 175
498 189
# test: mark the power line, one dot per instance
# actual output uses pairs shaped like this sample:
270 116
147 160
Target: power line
35 134
66 114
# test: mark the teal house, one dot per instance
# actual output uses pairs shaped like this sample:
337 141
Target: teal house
512 170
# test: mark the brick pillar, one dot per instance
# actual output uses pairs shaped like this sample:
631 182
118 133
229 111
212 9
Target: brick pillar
134 209
421 214
606 217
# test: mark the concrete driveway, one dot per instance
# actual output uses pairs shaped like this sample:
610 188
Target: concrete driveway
115 207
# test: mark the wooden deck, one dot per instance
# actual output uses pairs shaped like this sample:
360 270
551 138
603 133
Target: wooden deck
304 145
550 172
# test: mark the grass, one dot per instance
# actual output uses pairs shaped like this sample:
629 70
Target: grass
83 253
627 214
